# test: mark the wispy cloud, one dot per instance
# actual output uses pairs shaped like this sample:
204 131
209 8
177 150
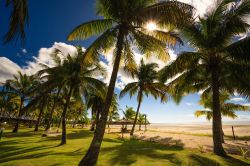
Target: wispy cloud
237 99
246 104
189 104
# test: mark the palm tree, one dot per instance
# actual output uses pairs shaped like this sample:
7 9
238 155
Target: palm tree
95 101
142 119
9 103
76 109
146 75
129 114
18 19
21 85
217 60
123 25
41 100
76 78
113 110
227 109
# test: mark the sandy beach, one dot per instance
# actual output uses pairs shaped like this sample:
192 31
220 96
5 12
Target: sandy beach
194 136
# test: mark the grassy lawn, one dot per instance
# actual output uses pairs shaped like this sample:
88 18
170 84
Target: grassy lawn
28 148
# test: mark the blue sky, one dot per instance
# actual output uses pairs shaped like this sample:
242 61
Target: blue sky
52 20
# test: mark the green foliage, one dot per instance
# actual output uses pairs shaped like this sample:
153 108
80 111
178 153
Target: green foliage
18 19
146 75
227 109
127 16
129 113
212 40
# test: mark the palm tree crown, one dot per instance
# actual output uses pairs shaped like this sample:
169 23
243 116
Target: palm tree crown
218 61
146 84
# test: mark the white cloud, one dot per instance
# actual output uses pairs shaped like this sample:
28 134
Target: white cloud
189 104
24 51
201 6
45 58
246 104
237 99
124 78
7 69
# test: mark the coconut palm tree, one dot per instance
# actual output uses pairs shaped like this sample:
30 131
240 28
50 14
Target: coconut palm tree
76 78
18 19
95 101
21 86
142 119
227 109
113 110
146 75
217 62
123 25
9 103
128 114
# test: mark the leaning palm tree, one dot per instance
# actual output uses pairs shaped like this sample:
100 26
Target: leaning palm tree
227 109
123 25
147 84
217 62
77 78
21 85
18 19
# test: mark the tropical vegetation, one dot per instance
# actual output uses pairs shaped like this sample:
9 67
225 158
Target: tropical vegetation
63 91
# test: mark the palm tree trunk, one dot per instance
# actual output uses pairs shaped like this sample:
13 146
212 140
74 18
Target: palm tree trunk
217 124
52 110
140 126
15 130
39 116
59 122
63 141
93 124
91 156
137 112
222 135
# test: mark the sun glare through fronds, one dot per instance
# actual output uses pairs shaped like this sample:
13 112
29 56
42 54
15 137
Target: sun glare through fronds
151 26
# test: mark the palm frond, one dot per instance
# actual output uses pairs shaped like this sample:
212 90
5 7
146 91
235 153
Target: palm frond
90 29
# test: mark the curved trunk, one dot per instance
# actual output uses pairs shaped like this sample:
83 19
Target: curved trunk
52 111
39 116
217 124
15 130
137 112
91 156
63 141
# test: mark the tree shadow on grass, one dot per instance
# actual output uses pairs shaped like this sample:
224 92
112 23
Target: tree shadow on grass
75 134
123 153
235 162
13 155
202 160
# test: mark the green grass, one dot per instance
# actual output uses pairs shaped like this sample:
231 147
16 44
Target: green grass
27 148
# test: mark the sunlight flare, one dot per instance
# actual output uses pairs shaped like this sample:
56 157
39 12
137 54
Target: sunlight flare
151 26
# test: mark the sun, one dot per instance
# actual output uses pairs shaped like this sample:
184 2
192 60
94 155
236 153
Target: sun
151 26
